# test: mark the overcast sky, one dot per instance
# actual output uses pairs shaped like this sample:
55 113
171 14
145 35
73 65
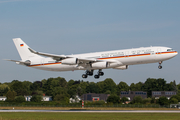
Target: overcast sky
82 26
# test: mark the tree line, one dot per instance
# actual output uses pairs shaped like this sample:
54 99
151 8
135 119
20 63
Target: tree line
61 90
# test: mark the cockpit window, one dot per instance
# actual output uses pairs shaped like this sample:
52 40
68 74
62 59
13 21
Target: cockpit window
170 50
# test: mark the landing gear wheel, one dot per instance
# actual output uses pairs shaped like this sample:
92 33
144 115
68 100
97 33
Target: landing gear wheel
160 67
96 76
84 76
90 73
101 73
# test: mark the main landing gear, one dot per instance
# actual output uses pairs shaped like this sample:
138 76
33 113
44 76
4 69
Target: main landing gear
160 66
90 73
100 73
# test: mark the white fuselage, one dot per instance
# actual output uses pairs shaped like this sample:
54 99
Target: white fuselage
124 57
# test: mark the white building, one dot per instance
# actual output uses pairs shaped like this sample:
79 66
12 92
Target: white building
45 98
3 98
27 98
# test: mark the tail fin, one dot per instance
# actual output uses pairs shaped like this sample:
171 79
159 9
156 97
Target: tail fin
23 50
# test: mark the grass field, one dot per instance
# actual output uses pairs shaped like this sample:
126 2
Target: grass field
87 108
86 116
89 116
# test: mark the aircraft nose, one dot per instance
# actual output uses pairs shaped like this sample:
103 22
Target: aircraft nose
175 53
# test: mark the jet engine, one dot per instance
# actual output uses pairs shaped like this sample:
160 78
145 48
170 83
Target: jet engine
99 65
70 61
122 67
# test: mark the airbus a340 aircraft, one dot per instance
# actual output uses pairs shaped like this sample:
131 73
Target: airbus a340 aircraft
118 59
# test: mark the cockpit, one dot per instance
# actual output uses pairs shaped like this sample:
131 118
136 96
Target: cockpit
170 50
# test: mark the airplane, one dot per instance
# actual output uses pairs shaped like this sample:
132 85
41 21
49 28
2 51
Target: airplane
117 59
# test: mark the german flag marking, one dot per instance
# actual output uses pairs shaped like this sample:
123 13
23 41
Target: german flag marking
21 45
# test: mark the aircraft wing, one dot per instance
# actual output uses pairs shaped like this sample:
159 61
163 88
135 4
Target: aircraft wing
81 60
61 57
89 60
56 57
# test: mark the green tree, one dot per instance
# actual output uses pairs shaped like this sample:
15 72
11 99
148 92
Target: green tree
36 86
10 95
4 89
37 92
174 86
92 88
100 86
153 100
19 88
137 100
108 92
59 90
36 98
136 87
176 97
83 86
79 90
70 83
43 81
132 87
110 85
163 101
122 86
72 90
115 99
20 99
147 100
124 99
173 101
178 87
62 98
52 84
152 84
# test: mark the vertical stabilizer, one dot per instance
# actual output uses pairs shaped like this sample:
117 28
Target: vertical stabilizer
23 50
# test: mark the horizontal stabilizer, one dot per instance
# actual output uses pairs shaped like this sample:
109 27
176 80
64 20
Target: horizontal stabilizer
19 62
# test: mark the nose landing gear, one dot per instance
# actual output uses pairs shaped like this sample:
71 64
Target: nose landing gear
160 66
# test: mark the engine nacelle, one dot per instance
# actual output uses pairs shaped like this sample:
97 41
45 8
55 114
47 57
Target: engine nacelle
70 61
99 65
113 65
122 67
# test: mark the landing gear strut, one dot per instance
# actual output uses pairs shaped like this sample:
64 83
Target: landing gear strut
160 66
